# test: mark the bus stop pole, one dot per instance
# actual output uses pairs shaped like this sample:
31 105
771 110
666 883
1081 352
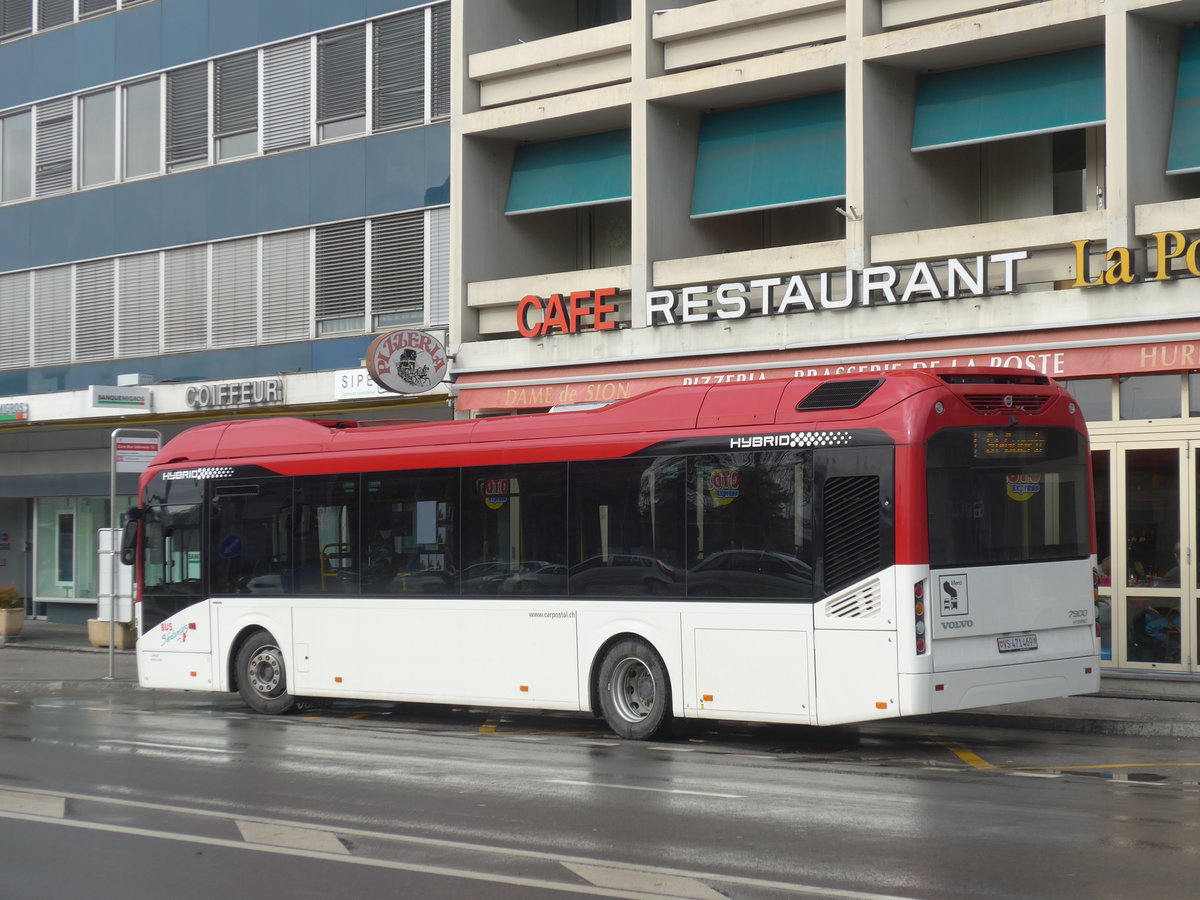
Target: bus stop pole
114 555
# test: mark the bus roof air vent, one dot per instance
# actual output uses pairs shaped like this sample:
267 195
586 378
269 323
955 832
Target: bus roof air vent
839 394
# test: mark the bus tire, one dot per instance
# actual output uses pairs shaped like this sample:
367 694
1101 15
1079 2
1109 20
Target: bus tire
635 692
262 676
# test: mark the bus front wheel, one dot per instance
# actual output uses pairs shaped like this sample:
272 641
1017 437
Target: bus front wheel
262 676
635 693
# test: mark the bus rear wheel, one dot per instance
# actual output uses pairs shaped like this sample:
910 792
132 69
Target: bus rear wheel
262 676
635 692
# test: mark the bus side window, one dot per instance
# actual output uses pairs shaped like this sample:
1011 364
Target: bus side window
514 521
250 546
409 535
326 534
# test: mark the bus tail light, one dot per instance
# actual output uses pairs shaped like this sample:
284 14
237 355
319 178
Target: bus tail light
919 615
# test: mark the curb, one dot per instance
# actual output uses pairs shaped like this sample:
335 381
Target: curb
68 687
1070 724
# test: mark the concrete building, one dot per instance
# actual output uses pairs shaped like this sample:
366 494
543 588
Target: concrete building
657 192
207 209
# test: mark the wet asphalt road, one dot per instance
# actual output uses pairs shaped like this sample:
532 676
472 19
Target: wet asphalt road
153 794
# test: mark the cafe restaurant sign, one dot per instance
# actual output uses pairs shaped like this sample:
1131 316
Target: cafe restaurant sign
947 279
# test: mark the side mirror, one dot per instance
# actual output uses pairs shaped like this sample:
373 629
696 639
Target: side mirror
128 554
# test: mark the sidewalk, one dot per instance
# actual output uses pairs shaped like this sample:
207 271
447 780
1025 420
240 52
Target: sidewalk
59 657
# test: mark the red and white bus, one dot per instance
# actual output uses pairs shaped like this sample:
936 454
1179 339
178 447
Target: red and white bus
811 550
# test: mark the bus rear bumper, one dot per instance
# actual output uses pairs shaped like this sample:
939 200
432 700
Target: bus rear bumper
994 685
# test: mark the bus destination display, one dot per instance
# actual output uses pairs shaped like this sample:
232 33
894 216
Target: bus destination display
1000 444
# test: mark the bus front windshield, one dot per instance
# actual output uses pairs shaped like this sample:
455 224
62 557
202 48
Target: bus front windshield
1007 495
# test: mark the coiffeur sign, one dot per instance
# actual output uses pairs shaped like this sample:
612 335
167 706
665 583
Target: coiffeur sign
407 362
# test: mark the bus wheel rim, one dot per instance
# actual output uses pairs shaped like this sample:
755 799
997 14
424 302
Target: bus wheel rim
633 689
266 671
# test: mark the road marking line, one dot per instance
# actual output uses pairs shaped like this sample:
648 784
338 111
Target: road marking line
744 881
489 727
295 838
653 790
968 757
650 882
155 746
37 804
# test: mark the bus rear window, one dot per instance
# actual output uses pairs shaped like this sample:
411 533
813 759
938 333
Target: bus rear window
1007 496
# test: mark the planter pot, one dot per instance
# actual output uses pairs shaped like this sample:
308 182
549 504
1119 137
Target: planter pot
12 621
98 630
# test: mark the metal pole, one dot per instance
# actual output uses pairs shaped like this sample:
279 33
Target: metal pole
113 553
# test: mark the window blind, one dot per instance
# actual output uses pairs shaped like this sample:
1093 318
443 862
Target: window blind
86 7
94 309
16 17
439 266
235 293
185 300
52 164
287 88
399 62
341 276
55 12
440 89
286 280
14 320
138 308
398 269
52 316
187 116
236 87
341 74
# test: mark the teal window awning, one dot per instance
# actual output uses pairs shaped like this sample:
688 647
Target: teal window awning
1184 153
578 171
1009 99
763 157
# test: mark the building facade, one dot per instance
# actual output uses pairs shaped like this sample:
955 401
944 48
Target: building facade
651 193
208 208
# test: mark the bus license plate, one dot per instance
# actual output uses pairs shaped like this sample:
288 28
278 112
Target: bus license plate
1011 642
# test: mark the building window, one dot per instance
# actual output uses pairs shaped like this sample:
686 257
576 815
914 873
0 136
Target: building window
187 117
399 68
55 12
98 138
14 320
397 273
95 297
90 7
287 90
1094 396
16 17
16 156
341 83
185 306
236 125
51 316
53 172
439 100
341 277
143 127
1150 397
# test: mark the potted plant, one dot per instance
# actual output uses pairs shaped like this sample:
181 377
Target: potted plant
12 610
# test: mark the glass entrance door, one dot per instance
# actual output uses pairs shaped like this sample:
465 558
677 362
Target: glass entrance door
1152 592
